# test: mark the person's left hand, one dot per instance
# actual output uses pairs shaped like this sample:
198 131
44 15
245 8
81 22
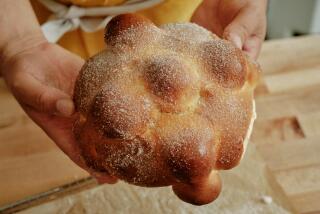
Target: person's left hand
242 22
41 76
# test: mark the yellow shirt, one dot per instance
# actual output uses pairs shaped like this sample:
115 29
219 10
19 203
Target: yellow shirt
87 44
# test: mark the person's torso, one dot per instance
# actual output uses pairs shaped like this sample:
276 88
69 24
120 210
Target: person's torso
87 44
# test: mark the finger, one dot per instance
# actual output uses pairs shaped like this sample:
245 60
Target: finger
205 17
242 26
103 177
56 127
40 97
69 61
59 129
107 180
252 46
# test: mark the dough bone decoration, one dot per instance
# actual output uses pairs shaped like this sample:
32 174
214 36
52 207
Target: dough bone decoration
165 106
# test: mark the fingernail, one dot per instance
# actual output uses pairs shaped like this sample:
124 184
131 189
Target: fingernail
65 107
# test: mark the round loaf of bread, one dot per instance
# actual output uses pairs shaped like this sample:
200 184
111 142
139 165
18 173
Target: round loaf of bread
165 106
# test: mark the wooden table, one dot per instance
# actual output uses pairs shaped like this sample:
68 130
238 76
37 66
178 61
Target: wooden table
286 133
288 127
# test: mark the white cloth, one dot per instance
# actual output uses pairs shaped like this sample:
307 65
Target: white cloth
68 18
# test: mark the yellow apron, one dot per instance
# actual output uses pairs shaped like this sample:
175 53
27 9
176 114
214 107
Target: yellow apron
87 44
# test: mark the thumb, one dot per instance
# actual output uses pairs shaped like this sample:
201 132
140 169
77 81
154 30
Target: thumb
29 91
241 27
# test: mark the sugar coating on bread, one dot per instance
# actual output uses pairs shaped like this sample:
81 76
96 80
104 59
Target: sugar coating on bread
169 105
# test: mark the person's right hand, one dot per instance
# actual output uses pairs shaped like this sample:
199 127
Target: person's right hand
242 22
41 76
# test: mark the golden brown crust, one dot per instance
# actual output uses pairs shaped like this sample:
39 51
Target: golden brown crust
165 106
128 31
201 192
172 82
224 63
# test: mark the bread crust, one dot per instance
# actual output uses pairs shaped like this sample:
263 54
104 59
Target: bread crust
165 106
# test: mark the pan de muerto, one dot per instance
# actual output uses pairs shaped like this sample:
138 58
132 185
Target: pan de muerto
165 106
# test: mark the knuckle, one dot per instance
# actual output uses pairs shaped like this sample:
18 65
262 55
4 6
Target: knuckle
243 30
40 102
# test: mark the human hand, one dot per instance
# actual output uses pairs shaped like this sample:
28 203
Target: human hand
242 22
41 76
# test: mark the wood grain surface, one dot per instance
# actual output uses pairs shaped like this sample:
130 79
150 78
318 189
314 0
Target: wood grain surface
287 130
286 135
30 163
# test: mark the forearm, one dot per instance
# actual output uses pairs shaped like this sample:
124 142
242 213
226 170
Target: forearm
19 27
